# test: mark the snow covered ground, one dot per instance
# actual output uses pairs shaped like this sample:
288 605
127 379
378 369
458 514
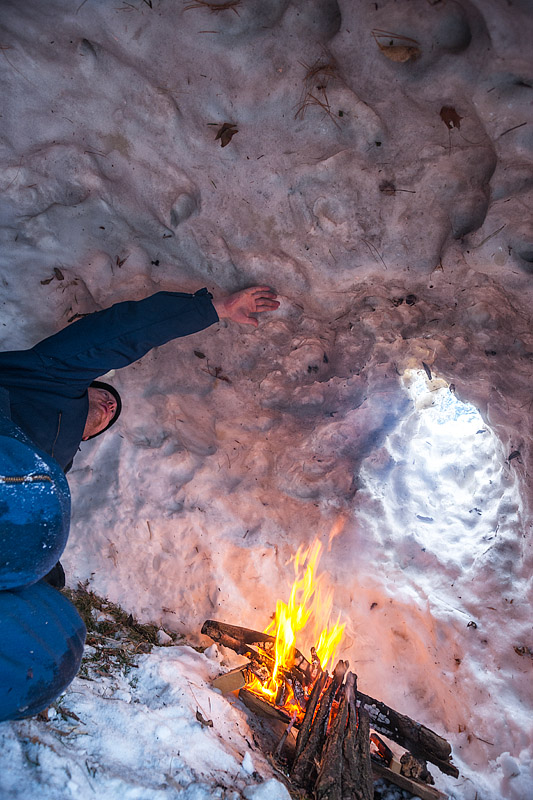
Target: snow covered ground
158 732
389 204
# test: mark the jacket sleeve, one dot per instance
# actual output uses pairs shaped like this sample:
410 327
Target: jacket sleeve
118 336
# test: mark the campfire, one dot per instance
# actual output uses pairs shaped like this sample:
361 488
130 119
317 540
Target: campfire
339 750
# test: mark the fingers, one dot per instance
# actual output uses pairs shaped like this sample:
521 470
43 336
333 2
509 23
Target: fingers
258 291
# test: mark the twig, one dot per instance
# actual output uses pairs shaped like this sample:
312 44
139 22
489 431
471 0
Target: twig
286 732
15 178
486 239
484 740
3 48
378 33
372 248
512 129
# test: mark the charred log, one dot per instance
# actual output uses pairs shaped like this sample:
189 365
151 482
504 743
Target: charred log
357 777
259 706
415 768
305 727
419 740
304 767
421 790
245 641
328 784
422 742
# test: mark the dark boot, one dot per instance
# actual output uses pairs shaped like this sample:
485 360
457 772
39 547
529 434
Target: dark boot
56 577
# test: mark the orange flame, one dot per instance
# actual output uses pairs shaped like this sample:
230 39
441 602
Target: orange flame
309 605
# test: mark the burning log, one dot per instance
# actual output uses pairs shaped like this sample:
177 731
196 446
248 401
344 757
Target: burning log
304 767
246 641
305 727
421 741
332 757
260 706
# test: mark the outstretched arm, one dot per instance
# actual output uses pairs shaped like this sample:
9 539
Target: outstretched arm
240 306
123 333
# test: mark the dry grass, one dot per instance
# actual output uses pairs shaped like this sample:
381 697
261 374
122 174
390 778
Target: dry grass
116 636
317 79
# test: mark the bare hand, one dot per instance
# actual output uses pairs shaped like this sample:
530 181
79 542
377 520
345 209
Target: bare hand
240 306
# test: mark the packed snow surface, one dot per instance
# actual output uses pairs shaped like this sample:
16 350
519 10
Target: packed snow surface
388 202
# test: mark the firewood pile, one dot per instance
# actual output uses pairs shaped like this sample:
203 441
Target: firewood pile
339 751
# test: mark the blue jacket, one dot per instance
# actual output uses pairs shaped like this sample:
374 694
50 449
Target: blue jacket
48 383
41 633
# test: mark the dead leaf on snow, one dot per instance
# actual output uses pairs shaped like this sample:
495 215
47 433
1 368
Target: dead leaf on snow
225 133
387 187
523 651
450 117
396 47
57 274
205 723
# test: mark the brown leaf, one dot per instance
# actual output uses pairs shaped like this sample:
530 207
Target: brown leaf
400 53
199 354
225 133
450 117
47 281
387 187
395 46
523 651
59 275
427 370
205 723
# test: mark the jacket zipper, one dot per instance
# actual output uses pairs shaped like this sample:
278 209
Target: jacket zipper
24 478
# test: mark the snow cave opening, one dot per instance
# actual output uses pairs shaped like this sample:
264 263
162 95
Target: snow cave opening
443 478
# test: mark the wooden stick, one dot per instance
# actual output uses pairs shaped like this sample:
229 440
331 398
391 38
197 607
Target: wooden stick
416 788
357 778
303 770
238 637
421 741
242 641
288 729
328 785
305 727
